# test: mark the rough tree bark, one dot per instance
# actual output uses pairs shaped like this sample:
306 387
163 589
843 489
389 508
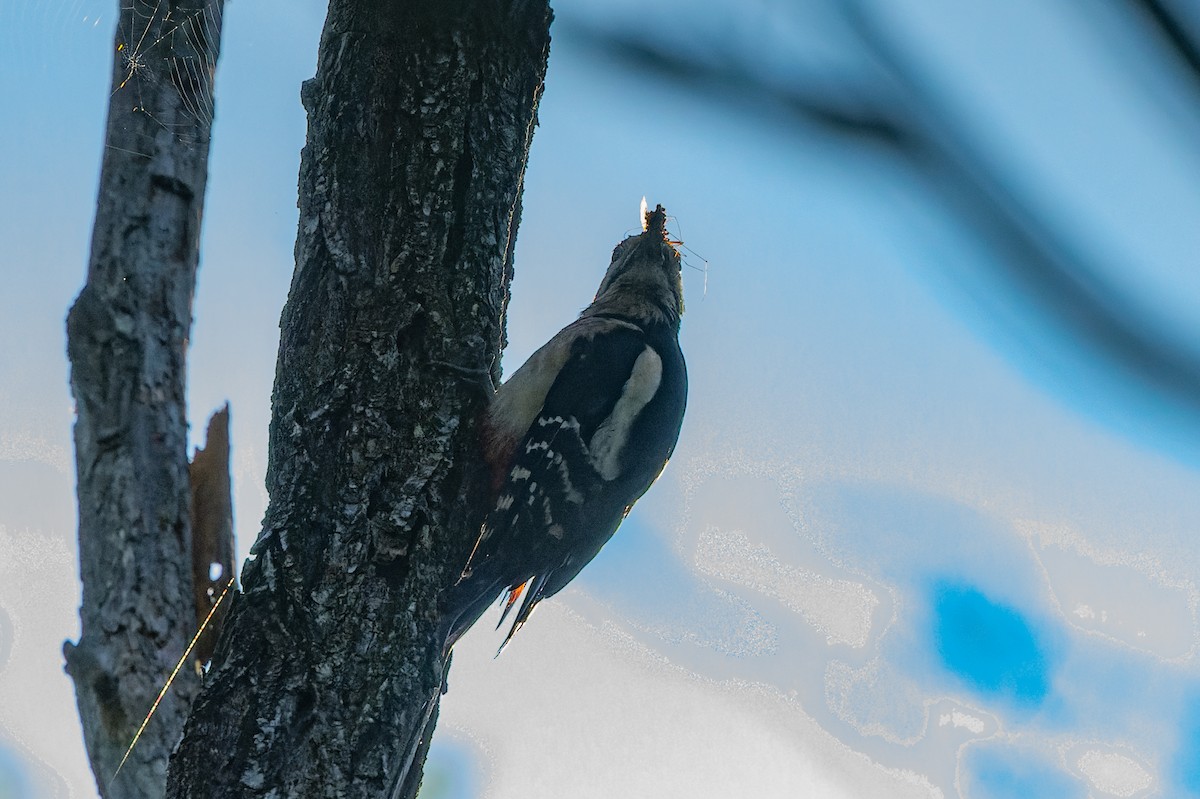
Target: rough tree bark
326 679
126 337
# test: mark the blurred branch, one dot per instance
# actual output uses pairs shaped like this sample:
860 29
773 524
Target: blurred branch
1178 33
1054 272
894 112
843 108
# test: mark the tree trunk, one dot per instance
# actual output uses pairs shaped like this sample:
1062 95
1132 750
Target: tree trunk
126 337
326 680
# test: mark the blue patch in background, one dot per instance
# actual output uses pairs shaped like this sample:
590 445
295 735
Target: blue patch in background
451 772
1186 763
13 782
991 647
1014 774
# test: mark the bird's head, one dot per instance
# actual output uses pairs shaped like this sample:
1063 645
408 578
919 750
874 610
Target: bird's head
644 280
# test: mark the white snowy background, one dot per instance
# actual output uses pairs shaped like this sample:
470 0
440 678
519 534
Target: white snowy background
922 536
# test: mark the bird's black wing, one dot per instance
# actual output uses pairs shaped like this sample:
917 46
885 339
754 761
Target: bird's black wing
533 527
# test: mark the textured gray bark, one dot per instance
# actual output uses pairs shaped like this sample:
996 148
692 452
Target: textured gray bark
126 338
326 679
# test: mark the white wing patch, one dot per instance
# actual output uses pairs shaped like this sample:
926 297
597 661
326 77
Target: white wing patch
519 401
613 433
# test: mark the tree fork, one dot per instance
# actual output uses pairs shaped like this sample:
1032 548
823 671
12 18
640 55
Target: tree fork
326 678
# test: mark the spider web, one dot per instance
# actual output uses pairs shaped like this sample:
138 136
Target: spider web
164 53
158 45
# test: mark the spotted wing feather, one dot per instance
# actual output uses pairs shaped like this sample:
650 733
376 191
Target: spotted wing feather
553 478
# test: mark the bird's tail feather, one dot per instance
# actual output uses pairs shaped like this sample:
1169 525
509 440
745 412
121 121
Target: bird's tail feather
533 593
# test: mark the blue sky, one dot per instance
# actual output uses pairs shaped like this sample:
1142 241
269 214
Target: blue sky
918 539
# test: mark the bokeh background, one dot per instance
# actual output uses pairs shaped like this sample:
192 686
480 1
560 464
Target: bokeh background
931 528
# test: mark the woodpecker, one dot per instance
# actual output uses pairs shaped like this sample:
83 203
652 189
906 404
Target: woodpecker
578 434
